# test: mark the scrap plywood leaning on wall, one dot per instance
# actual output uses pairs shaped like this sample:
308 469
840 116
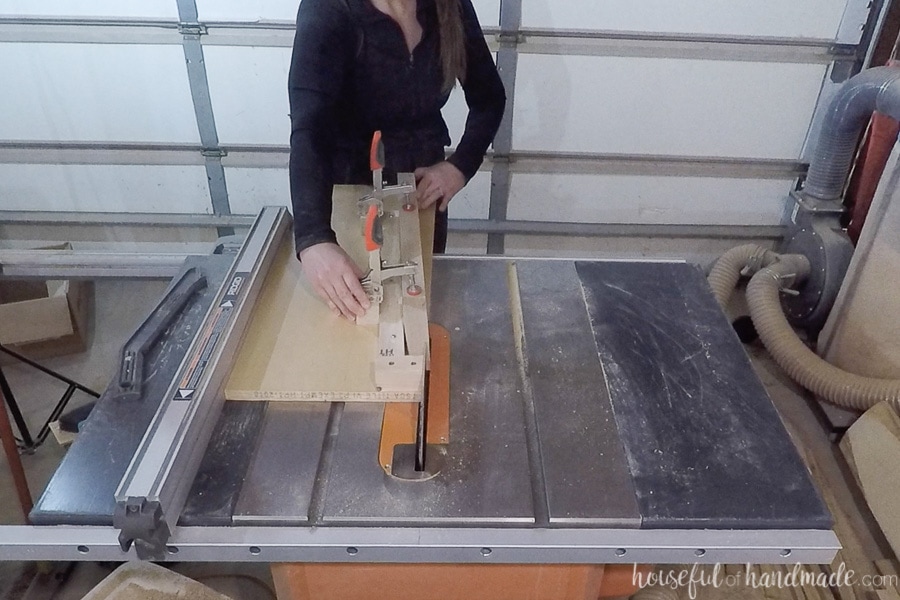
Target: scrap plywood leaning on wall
872 449
296 349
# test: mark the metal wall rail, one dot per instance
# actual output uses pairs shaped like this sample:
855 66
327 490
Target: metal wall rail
280 34
479 226
276 157
29 217
64 30
635 230
585 163
75 264
667 45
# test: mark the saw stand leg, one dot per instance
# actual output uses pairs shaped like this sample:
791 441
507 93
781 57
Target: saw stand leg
29 443
13 458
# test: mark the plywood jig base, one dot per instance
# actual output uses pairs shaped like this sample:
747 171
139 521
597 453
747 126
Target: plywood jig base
296 349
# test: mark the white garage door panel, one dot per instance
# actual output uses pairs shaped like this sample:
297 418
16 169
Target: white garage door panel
473 202
249 93
84 92
247 10
158 9
455 113
286 10
466 243
488 12
646 200
677 107
251 189
261 76
107 188
778 18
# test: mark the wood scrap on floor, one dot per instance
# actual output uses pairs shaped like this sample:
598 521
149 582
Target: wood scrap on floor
147 581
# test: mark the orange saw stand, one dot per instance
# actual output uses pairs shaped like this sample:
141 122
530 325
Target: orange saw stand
452 581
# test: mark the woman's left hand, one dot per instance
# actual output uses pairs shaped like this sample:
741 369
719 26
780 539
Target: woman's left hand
438 184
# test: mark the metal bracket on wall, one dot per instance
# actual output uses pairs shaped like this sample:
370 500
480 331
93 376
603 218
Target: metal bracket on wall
814 205
219 153
845 64
192 29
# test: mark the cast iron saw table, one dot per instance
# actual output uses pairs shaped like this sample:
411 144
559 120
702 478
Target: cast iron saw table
601 412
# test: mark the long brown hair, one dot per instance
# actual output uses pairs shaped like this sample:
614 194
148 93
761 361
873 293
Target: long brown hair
453 42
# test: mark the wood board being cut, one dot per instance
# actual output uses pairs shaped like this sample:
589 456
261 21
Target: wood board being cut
295 348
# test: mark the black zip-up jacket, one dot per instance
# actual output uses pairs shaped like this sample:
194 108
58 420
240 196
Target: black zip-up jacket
352 74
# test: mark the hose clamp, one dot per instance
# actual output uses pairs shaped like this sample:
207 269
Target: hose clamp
756 262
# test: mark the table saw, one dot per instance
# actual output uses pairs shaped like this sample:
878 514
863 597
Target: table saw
600 412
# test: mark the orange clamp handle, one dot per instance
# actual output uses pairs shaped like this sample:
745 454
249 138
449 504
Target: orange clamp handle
376 152
370 234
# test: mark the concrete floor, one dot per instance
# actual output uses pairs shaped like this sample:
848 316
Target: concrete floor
122 305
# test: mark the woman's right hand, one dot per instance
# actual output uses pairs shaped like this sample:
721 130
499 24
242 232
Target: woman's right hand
335 278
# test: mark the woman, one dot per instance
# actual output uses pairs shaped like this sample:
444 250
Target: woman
364 65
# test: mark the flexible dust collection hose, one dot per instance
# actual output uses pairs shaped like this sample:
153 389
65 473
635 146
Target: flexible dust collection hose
802 364
728 269
845 118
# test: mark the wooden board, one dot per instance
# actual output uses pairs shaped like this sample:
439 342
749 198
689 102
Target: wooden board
415 311
426 230
872 449
43 314
862 334
295 348
400 420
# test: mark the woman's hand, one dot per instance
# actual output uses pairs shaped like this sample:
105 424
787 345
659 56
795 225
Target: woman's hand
335 278
438 184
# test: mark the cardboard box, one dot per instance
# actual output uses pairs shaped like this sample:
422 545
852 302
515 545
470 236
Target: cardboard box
44 318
